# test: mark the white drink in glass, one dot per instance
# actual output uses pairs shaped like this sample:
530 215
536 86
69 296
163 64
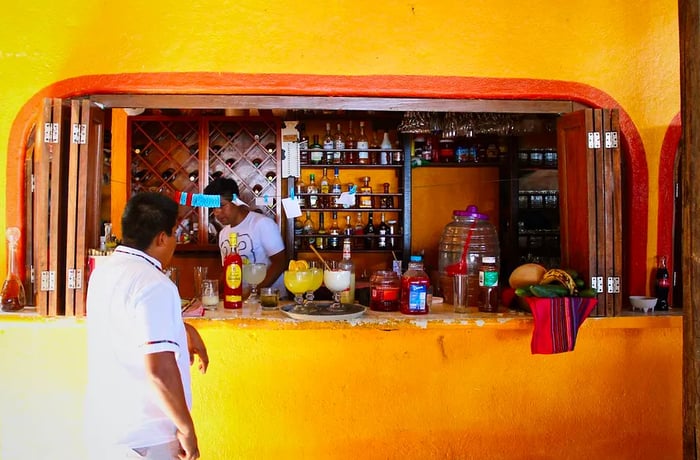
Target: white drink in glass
336 280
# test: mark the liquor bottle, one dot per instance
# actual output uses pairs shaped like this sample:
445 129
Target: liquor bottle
12 296
299 191
347 230
321 238
663 284
233 269
385 154
362 146
334 232
312 192
386 202
328 146
488 285
374 147
339 146
382 231
194 233
369 233
325 186
309 229
348 295
366 194
298 233
336 189
316 151
350 143
303 144
357 231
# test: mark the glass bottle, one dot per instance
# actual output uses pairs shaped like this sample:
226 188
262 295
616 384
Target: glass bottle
309 229
299 191
663 285
316 151
348 229
312 192
321 238
369 233
328 143
385 289
298 233
366 193
358 231
351 144
325 186
488 285
386 202
303 144
12 296
338 146
382 231
348 295
385 154
336 189
334 232
362 146
414 288
233 270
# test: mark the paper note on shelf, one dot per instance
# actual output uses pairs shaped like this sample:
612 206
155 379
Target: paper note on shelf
291 207
347 199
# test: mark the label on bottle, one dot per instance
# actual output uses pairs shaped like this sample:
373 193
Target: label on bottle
361 145
234 278
417 297
316 156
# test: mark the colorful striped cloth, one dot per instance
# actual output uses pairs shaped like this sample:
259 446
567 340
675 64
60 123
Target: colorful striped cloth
557 321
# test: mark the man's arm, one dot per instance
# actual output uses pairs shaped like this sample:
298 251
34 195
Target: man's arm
197 347
278 263
162 370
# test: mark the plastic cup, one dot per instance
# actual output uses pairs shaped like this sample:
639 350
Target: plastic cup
459 289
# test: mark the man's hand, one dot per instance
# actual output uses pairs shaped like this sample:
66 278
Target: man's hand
196 346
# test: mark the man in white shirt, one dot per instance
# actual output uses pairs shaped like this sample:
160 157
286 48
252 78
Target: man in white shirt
259 237
138 392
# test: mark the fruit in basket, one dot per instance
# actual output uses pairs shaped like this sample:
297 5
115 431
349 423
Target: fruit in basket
298 265
561 277
526 274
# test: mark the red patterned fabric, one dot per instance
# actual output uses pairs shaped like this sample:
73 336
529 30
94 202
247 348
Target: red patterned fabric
557 321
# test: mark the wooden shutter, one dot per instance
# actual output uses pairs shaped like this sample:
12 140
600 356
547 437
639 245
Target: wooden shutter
590 201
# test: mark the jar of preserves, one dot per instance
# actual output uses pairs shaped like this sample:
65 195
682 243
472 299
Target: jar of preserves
385 286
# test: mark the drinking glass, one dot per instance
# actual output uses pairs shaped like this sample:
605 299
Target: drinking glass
336 280
316 280
210 294
298 282
200 274
254 274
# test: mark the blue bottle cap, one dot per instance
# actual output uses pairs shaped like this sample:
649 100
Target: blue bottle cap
416 258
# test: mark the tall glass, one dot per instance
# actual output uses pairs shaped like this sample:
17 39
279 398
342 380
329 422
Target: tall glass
254 274
336 280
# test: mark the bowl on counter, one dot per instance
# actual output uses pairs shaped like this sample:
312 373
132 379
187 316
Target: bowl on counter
644 303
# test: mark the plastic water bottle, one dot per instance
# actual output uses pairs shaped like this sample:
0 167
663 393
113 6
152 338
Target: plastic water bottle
464 242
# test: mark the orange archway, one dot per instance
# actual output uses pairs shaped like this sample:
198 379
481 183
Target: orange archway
636 180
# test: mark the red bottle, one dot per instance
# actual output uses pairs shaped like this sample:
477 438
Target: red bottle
233 272
414 289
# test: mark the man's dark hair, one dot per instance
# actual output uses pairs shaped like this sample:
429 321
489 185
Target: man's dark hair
145 216
222 186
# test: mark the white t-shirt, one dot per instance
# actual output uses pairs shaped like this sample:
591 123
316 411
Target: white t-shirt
132 309
258 239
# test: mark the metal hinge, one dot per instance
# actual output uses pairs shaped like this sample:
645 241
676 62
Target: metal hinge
594 140
48 281
31 274
51 133
75 278
597 284
613 284
79 133
611 139
32 181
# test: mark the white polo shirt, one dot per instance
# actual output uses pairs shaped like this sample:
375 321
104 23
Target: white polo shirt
132 309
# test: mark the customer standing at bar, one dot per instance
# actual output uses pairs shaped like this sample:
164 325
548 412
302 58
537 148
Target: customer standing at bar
139 349
259 237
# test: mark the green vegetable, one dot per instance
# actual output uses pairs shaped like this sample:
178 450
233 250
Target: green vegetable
548 290
590 292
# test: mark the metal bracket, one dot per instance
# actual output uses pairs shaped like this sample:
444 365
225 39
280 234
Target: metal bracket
48 280
611 139
594 140
79 133
613 284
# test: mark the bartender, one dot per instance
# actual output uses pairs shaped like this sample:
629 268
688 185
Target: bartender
259 237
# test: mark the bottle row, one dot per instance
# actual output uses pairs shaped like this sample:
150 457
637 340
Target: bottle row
325 194
434 148
341 148
386 235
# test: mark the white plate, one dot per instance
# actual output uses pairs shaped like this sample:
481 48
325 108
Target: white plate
321 313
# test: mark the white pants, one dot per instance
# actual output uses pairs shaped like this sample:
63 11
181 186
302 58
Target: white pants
167 451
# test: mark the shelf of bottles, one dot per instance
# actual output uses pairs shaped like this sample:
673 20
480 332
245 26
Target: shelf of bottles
184 153
165 158
373 171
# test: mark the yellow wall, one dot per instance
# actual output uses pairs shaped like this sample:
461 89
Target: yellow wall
407 391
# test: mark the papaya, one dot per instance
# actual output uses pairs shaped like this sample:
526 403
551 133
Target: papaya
526 274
